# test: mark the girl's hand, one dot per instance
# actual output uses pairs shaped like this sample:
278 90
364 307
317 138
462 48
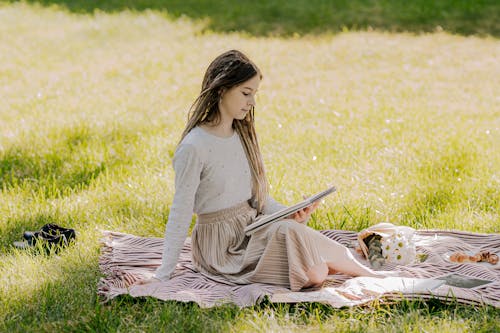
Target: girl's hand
303 215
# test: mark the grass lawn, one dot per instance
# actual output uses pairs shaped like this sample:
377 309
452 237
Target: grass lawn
402 116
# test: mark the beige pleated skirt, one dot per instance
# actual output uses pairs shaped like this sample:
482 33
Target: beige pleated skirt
278 254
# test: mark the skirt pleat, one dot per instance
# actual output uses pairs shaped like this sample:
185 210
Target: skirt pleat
280 253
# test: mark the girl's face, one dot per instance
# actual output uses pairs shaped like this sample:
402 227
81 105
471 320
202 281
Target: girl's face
236 102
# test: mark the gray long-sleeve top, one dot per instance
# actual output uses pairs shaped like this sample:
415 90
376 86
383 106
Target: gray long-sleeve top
211 173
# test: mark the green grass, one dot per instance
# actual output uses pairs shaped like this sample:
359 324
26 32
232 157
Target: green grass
92 105
292 17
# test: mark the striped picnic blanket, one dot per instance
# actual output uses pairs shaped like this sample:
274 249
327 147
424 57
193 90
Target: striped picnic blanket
127 258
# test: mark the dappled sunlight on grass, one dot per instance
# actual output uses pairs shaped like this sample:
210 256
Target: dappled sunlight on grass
406 126
299 317
298 17
33 283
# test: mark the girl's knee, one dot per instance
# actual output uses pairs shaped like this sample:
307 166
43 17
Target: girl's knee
317 274
288 225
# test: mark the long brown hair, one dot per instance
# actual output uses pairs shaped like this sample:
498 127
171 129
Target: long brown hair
226 71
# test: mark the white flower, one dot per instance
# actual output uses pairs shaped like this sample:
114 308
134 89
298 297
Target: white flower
399 248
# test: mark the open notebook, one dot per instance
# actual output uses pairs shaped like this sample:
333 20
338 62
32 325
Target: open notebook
265 219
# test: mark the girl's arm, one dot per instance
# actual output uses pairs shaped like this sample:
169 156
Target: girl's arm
187 166
272 206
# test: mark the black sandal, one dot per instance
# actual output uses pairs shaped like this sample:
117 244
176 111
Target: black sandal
49 236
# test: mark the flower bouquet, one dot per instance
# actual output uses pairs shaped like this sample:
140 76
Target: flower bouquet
385 242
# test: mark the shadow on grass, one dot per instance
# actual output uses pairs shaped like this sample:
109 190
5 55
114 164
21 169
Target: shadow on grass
68 302
69 161
286 17
48 171
52 167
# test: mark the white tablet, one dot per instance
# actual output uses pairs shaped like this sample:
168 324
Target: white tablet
265 219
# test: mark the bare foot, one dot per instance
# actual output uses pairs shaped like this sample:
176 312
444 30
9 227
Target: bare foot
332 271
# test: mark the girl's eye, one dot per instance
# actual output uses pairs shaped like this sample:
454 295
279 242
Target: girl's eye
246 94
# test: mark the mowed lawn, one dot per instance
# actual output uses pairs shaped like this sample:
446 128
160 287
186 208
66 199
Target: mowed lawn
92 104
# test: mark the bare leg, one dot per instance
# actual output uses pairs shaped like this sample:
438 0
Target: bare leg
340 259
317 275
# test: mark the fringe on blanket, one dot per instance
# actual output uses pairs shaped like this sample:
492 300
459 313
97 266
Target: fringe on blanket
127 258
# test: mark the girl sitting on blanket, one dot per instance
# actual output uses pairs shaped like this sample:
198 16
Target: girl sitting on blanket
219 175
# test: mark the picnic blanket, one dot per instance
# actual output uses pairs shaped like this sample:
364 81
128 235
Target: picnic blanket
126 258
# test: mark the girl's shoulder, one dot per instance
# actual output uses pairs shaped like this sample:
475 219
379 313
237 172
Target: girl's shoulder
203 138
194 144
207 146
194 137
